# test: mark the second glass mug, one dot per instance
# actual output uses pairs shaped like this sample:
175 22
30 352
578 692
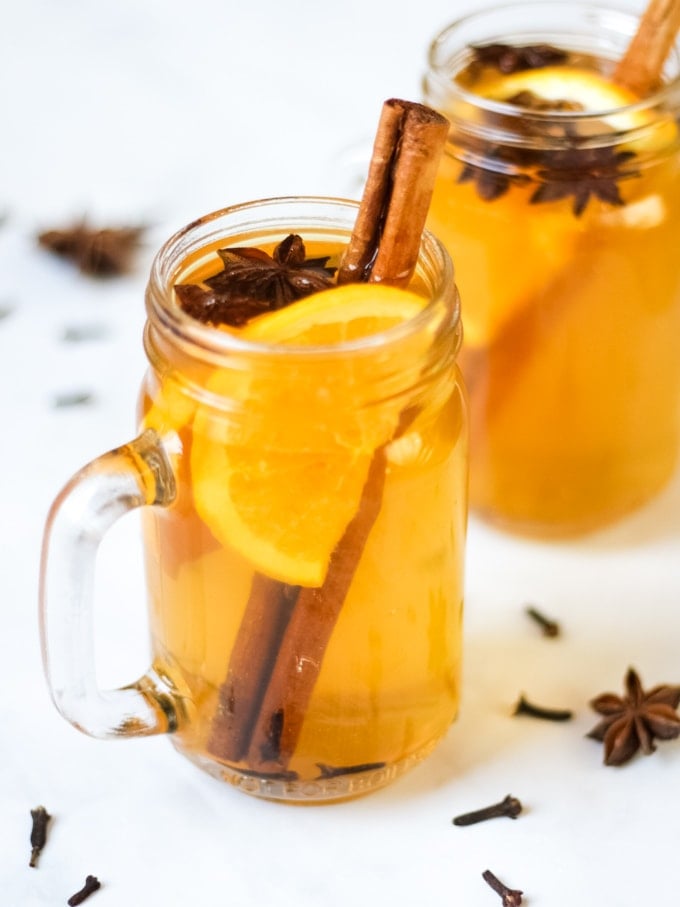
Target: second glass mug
571 290
286 682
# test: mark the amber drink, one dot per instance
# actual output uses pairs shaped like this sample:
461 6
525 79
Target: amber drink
309 466
559 198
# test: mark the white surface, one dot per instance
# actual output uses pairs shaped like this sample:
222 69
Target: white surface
146 111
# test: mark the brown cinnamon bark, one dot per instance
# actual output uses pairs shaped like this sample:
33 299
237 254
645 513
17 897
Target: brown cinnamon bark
641 66
280 646
385 241
270 605
307 635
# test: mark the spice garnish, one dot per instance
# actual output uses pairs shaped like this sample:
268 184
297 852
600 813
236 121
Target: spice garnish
385 241
285 629
524 707
632 722
91 885
510 897
97 251
76 398
549 627
252 282
492 184
508 58
640 67
509 807
333 771
84 333
583 173
40 818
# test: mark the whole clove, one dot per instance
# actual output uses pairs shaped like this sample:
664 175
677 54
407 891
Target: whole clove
524 707
509 806
74 398
510 897
40 818
91 885
336 771
84 333
550 628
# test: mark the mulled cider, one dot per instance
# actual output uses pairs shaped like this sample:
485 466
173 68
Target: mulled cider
306 581
302 469
559 199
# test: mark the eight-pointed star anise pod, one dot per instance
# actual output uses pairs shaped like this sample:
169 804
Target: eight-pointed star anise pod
582 173
99 251
252 282
633 721
572 171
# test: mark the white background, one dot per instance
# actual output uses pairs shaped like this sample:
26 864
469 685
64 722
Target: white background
157 112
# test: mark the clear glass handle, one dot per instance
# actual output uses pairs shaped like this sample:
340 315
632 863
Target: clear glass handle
131 476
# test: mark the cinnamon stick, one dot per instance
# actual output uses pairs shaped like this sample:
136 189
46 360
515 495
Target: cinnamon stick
270 605
641 66
385 241
272 672
309 630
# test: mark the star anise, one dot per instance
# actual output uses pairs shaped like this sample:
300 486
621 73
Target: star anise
98 251
252 282
582 173
633 721
507 58
492 184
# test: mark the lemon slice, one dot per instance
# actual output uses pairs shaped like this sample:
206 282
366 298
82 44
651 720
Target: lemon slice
279 479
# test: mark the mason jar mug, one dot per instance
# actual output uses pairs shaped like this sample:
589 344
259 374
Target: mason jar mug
304 527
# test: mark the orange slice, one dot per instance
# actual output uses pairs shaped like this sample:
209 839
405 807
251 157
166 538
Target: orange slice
337 315
171 409
508 250
614 104
280 476
593 91
514 252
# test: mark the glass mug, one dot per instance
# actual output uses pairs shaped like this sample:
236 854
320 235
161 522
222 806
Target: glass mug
564 228
304 529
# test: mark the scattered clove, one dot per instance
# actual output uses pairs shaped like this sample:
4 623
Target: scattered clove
40 818
509 806
524 707
336 771
91 885
510 897
549 627
77 398
84 333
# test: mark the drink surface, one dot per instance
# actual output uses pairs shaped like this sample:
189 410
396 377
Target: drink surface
560 206
273 461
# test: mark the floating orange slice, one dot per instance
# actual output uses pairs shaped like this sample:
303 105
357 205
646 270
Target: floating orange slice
280 476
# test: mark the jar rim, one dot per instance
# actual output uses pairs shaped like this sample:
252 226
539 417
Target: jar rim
268 215
442 70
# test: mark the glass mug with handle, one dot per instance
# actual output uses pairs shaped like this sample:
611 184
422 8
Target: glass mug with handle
304 481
